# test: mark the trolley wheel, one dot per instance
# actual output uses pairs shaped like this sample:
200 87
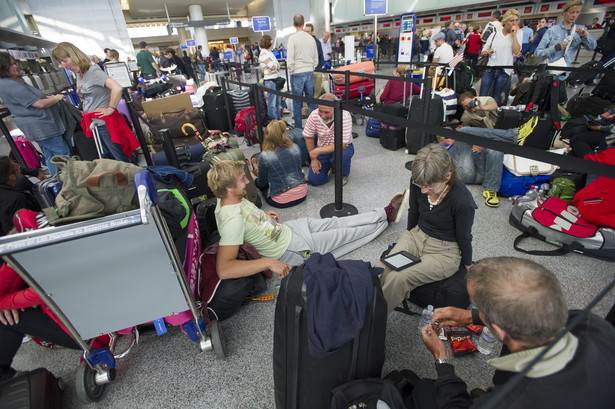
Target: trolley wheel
61 384
87 390
361 120
217 339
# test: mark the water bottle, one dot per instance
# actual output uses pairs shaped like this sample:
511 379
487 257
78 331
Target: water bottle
486 342
521 107
530 198
426 317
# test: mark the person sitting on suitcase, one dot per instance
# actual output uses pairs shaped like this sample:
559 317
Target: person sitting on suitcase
280 177
283 245
523 305
15 192
440 218
320 125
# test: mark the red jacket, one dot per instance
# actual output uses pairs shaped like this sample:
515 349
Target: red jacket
118 128
596 201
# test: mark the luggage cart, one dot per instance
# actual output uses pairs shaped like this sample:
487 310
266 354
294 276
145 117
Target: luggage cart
130 256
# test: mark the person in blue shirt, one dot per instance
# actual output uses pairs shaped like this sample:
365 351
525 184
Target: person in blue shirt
564 39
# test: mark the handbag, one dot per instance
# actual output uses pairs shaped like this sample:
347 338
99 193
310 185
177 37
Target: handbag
481 64
174 120
520 166
279 83
561 62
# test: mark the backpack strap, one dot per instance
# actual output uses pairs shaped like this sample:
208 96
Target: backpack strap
565 249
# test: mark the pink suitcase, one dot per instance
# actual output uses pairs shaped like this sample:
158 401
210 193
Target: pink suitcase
28 152
357 90
366 67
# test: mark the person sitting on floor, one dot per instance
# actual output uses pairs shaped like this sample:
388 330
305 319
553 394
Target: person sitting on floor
440 218
283 245
320 125
280 177
523 305
479 112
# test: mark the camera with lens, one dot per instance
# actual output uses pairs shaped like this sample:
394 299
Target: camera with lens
473 103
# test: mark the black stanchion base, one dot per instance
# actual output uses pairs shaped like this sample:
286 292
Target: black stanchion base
330 210
409 165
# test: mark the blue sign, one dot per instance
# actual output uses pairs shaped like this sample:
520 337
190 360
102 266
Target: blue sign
370 51
183 46
191 43
277 54
284 54
228 55
261 23
375 7
234 40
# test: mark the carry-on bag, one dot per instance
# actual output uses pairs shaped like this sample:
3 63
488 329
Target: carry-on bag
585 77
392 137
449 99
561 224
175 120
304 381
240 99
357 90
216 111
366 67
46 191
372 128
37 389
28 152
185 154
436 116
512 185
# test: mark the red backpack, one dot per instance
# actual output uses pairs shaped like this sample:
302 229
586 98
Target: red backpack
245 125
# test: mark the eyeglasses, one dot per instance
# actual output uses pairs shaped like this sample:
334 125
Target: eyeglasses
431 189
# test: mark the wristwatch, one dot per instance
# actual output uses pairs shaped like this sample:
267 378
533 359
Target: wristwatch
442 361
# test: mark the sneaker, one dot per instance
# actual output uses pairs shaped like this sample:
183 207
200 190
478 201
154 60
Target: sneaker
396 205
344 180
526 129
491 198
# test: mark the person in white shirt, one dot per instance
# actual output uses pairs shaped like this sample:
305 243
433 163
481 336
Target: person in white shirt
326 49
501 46
302 59
444 51
320 125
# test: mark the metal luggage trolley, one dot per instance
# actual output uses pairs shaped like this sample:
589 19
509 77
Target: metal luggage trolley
130 255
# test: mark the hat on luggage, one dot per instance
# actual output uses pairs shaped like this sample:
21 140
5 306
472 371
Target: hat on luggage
439 36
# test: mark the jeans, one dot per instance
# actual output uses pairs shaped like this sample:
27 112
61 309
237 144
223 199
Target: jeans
149 76
486 166
110 149
201 69
327 160
54 146
300 83
273 101
496 78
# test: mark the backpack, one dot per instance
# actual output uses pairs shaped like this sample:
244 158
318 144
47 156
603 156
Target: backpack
487 33
245 124
193 58
372 128
566 183
562 225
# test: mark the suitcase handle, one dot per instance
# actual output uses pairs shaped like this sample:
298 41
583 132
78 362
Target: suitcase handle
93 180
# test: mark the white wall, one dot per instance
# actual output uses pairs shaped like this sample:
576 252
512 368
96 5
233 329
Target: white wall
92 25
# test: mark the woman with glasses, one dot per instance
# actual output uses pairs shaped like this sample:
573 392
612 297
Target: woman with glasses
440 218
35 113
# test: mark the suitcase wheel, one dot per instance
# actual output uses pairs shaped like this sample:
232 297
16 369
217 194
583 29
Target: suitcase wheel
87 389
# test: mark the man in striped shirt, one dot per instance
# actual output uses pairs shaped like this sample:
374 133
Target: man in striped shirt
322 151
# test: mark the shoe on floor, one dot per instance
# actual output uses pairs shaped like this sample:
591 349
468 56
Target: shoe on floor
491 198
526 129
344 180
396 206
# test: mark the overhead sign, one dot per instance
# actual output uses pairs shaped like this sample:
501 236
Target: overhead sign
183 46
234 40
375 7
191 43
262 23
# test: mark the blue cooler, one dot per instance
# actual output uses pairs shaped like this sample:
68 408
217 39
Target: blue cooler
519 185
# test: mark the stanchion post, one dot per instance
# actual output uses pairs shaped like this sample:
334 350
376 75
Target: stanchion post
338 208
257 111
231 123
427 94
137 125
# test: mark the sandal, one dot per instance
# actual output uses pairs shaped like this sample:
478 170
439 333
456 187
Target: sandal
254 163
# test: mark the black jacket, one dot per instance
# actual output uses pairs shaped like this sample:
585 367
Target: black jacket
13 199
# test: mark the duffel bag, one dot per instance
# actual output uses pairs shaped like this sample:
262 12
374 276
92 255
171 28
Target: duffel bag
174 120
373 128
562 225
93 188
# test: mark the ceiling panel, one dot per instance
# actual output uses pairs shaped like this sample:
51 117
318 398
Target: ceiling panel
154 9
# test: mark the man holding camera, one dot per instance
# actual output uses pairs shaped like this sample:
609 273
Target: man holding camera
479 112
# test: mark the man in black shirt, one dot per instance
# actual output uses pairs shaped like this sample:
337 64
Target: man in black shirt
15 192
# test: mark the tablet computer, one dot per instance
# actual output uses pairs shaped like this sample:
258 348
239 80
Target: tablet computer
401 260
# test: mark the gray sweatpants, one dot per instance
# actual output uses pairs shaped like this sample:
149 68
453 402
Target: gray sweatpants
337 235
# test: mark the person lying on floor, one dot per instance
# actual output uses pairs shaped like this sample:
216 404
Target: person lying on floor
282 246
440 218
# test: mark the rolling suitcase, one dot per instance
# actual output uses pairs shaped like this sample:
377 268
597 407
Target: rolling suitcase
435 117
84 147
303 381
46 191
366 67
216 111
392 137
37 389
28 152
357 90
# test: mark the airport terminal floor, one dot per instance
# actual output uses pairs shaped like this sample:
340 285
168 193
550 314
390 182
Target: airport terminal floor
169 371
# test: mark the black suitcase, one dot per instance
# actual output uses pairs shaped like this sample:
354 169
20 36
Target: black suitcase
199 189
606 87
302 381
185 154
35 389
392 137
593 105
216 111
585 77
83 146
434 117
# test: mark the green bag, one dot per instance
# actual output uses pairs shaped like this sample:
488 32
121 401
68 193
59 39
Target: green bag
93 188
563 188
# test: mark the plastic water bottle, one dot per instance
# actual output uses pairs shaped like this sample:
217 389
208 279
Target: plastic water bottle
426 317
486 342
530 198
